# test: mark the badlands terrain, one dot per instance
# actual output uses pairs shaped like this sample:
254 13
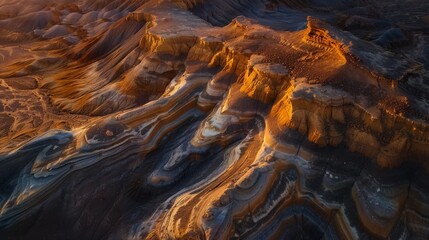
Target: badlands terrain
214 119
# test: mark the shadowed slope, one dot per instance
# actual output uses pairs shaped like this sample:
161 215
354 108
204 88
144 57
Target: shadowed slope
213 120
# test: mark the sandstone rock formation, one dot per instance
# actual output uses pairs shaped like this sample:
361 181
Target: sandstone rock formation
221 119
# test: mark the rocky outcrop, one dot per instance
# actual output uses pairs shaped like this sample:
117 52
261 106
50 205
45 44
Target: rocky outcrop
175 120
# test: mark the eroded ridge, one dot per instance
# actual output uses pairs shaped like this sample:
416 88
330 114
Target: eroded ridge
173 119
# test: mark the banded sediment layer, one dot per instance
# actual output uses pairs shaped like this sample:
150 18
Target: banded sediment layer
222 119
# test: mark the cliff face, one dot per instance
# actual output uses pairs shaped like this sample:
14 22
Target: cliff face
178 119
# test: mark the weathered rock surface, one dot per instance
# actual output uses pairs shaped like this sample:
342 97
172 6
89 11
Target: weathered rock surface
223 119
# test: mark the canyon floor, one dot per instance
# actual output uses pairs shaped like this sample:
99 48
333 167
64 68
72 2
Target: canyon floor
214 119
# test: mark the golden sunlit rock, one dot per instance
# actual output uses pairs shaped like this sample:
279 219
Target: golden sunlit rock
214 119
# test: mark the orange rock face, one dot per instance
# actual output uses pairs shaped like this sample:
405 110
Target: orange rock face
222 119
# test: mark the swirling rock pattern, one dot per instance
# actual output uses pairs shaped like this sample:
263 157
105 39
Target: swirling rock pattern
223 119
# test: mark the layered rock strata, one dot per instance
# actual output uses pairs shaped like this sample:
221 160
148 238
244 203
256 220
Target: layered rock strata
177 119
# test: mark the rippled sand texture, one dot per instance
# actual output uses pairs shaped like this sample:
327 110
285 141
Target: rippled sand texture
214 119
